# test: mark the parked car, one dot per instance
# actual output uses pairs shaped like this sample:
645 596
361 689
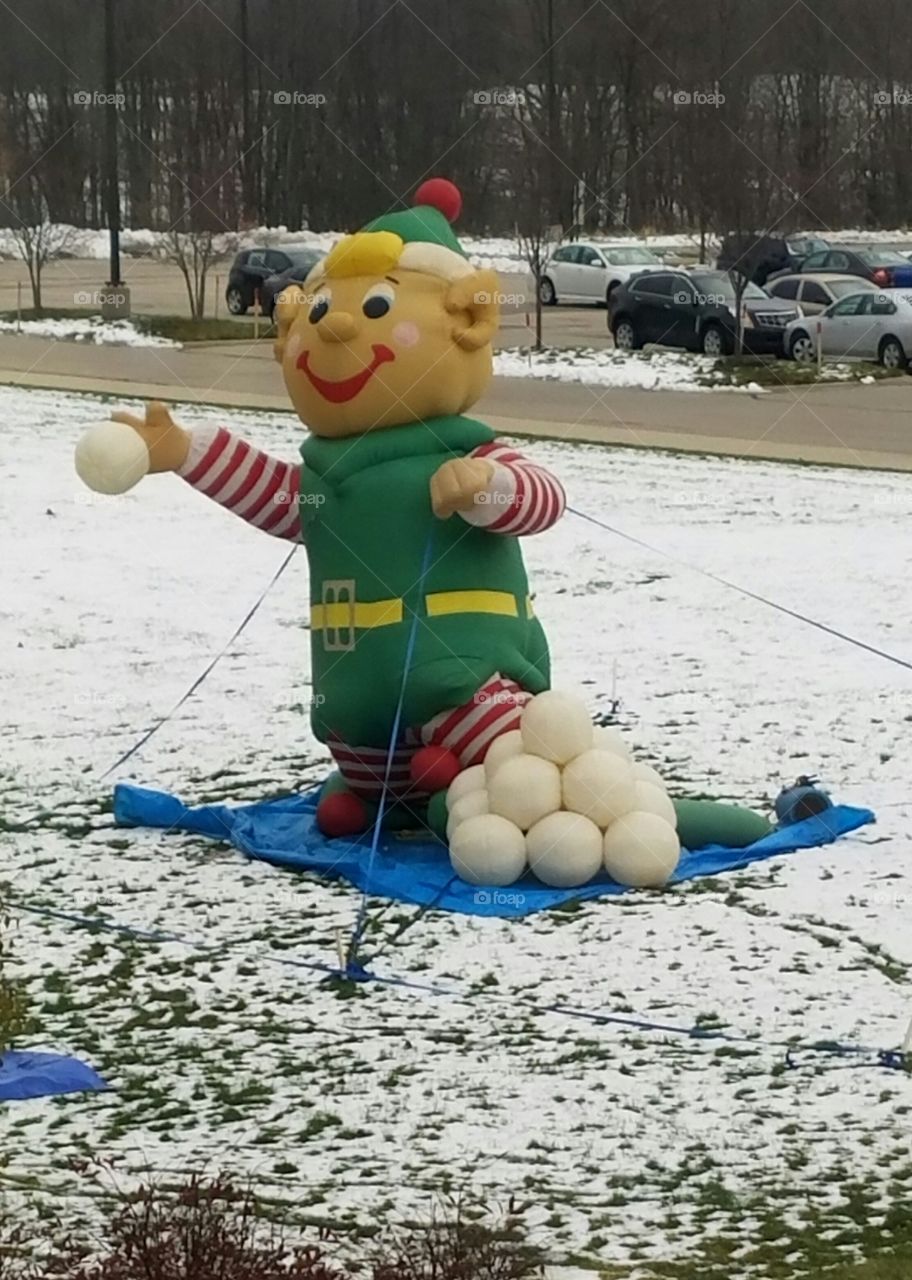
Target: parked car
252 266
760 256
870 324
883 267
590 271
696 311
814 293
272 286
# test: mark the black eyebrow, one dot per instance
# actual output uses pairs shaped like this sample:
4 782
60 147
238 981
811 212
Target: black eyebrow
392 279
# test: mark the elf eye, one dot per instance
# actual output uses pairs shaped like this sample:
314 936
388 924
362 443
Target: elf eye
319 308
377 301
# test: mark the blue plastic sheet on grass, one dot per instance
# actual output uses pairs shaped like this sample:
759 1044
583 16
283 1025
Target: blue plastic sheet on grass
41 1075
417 870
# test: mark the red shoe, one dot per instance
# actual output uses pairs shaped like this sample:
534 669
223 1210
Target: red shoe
433 768
342 814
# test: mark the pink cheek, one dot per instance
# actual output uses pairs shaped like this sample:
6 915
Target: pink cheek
406 334
293 347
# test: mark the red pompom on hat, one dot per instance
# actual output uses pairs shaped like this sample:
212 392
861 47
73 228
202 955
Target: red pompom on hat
440 194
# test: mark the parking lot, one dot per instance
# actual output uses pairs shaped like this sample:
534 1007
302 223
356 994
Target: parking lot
157 288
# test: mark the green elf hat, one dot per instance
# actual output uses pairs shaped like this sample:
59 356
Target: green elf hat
416 239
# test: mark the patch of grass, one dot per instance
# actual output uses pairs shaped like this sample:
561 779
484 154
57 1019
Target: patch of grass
769 371
183 329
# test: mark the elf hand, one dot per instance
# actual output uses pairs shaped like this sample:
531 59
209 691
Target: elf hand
457 485
168 444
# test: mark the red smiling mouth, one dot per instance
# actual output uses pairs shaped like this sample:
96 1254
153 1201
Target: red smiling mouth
346 388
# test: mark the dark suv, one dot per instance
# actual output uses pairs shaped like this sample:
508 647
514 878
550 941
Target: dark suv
297 273
697 312
252 266
759 256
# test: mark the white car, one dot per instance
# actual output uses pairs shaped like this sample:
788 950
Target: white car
873 325
588 270
814 293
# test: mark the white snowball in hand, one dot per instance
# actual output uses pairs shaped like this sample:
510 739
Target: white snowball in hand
564 849
111 457
650 799
556 727
646 773
524 789
607 738
488 849
468 806
472 779
508 744
641 850
600 785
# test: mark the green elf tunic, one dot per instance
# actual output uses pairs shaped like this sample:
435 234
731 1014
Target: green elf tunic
365 520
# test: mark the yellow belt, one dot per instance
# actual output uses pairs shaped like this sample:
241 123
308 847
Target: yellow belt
342 614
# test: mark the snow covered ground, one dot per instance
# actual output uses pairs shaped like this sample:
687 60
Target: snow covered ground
628 1144
118 333
653 371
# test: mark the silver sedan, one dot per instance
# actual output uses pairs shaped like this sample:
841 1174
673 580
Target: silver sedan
864 326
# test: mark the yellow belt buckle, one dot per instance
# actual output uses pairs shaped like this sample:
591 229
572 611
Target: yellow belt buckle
338 609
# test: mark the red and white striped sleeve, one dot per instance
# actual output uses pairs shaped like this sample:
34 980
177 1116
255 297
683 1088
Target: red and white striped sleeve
522 497
242 479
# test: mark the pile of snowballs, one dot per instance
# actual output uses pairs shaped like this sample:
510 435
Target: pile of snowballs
563 799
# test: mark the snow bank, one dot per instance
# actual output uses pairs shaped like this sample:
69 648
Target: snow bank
658 371
501 253
119 333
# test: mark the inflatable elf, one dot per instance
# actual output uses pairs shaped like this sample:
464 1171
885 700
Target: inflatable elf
405 505
411 513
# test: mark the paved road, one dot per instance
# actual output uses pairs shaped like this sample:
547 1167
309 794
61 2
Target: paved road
845 424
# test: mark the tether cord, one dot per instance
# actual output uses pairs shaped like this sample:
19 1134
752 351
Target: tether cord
889 1058
208 669
751 595
361 920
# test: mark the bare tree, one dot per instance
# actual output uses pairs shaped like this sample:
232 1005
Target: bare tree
536 244
37 239
36 244
227 89
194 253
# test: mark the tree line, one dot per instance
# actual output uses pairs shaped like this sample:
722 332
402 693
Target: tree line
608 115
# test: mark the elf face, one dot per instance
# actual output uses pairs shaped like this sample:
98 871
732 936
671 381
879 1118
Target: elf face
359 352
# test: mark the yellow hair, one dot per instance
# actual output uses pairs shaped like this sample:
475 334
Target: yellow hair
366 253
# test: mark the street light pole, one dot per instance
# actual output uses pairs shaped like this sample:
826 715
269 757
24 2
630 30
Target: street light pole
554 210
111 180
246 201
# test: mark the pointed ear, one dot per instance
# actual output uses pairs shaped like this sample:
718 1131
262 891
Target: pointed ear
474 303
289 302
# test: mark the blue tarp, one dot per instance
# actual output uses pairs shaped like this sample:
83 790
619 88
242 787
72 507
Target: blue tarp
41 1075
284 833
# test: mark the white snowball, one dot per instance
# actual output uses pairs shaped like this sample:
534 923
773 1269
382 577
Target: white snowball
641 850
488 849
564 849
556 727
607 738
600 785
524 789
650 799
646 773
468 806
111 457
508 744
472 779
